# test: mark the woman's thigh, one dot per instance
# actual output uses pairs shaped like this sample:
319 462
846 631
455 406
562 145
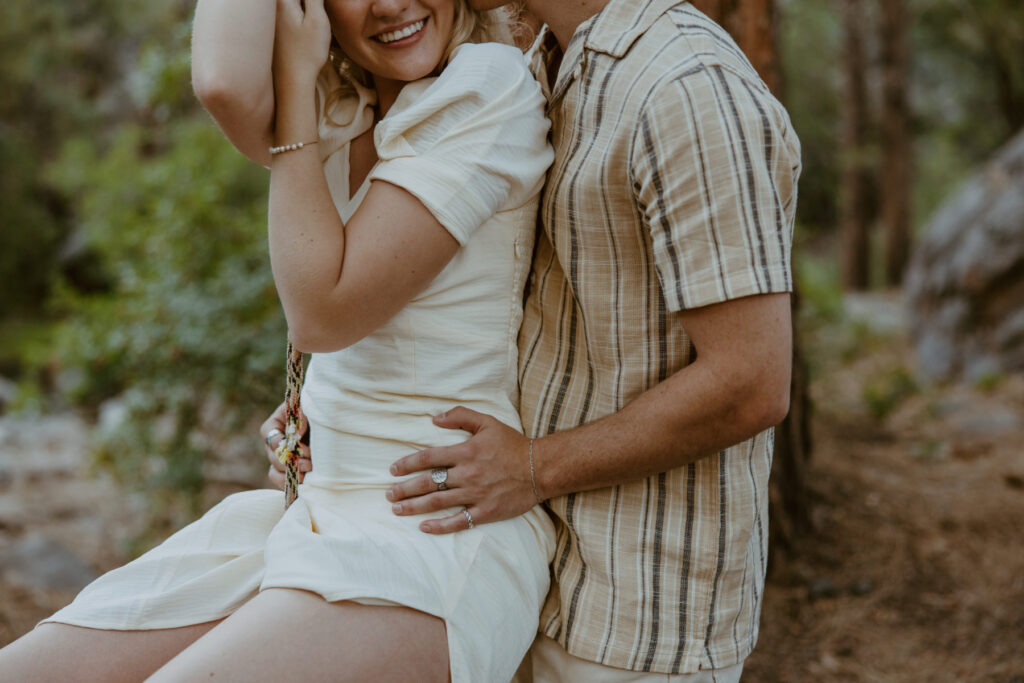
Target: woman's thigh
285 634
60 653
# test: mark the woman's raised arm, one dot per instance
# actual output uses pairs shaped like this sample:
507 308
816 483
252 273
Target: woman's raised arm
232 52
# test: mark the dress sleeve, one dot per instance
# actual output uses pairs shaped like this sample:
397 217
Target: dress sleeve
469 143
714 167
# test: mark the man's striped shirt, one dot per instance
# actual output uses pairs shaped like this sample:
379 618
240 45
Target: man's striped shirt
673 187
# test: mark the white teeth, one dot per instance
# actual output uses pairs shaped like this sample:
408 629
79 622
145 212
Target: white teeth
392 36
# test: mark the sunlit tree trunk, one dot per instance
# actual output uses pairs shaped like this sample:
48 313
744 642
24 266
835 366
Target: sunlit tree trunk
853 180
752 24
895 172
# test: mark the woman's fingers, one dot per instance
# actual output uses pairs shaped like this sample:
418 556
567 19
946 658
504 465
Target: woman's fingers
277 479
289 11
275 421
272 433
315 9
305 463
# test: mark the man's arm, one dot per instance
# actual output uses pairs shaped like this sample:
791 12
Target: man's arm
737 387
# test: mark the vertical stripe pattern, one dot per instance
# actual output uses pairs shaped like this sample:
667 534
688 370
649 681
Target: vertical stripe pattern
673 187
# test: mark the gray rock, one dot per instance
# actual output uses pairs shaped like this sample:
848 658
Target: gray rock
878 312
38 562
822 588
8 392
965 282
990 424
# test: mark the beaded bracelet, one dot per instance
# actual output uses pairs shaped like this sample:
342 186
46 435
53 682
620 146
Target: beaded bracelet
292 147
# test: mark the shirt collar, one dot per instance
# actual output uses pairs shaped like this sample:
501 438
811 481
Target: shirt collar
612 31
621 22
572 60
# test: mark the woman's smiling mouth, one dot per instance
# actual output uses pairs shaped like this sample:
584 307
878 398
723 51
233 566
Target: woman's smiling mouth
399 34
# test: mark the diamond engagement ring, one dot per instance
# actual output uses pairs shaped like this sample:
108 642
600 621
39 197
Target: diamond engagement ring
439 475
271 434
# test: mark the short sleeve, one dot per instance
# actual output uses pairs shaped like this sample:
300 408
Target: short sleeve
715 165
470 143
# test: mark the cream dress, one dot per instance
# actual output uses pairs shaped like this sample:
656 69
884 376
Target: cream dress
471 145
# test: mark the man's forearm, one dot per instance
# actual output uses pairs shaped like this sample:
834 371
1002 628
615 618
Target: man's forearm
729 394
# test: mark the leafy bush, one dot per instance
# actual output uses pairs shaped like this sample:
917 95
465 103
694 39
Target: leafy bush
193 320
189 339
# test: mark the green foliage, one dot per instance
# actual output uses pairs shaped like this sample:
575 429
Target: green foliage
809 40
967 92
975 50
188 336
884 393
58 68
969 89
990 381
193 320
820 292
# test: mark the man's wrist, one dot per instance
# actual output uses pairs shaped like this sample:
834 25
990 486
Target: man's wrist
533 473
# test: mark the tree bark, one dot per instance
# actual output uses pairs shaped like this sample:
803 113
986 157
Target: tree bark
895 176
853 179
752 24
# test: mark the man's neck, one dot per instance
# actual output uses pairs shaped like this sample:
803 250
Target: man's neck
564 16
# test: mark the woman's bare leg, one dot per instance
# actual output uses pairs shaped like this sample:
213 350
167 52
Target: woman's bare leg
61 653
285 634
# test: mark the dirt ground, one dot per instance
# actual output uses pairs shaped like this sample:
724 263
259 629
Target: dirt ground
915 570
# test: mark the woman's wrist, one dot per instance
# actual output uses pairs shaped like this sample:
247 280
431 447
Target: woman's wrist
295 119
295 86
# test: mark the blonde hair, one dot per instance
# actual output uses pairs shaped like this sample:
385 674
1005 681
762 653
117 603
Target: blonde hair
468 26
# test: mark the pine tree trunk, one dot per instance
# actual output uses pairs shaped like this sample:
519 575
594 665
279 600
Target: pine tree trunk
752 25
896 150
853 181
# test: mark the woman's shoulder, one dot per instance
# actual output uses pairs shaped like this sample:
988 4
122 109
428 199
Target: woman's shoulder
484 71
487 57
488 80
475 70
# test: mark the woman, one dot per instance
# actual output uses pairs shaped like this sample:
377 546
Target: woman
400 226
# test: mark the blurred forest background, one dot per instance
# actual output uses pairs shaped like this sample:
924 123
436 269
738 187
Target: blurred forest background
141 341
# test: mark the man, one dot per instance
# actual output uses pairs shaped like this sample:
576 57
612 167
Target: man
654 353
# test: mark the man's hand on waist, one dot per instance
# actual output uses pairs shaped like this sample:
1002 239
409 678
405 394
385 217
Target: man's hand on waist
488 475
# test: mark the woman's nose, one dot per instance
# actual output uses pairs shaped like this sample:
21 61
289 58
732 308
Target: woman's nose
390 8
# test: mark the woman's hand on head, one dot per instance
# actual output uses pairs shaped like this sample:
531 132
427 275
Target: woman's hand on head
302 40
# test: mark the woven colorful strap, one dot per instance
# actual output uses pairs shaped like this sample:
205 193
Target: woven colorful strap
288 450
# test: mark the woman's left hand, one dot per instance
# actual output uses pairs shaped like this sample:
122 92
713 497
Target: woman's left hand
488 475
302 41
